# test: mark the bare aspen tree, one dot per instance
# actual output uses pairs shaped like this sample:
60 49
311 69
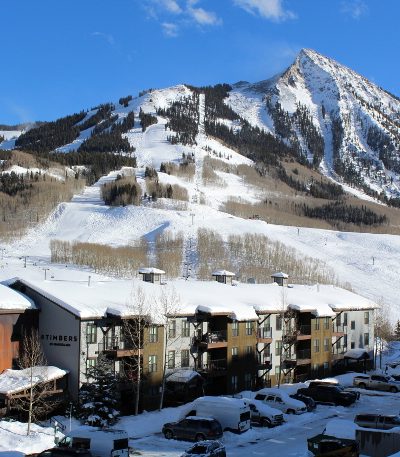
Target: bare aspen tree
133 330
169 305
383 330
35 400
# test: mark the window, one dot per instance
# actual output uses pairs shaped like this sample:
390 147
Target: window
339 343
326 344
278 323
91 333
153 334
249 350
316 323
249 328
235 353
327 322
316 345
248 381
353 325
172 329
185 358
345 341
326 366
315 366
171 359
90 363
235 328
366 339
152 363
352 345
277 370
338 320
278 347
185 328
234 383
345 319
366 318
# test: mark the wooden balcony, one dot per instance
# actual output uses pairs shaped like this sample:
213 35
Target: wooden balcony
214 368
264 335
303 357
212 340
117 348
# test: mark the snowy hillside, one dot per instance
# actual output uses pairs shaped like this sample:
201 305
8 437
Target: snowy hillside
358 122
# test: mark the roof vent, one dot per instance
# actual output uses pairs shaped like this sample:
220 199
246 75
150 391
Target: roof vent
280 278
223 276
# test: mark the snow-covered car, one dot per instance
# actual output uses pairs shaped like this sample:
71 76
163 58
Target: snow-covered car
263 414
278 399
206 449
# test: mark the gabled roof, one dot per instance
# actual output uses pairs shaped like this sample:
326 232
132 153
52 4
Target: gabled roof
151 270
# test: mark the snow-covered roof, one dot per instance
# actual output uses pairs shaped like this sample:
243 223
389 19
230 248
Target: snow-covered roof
223 273
243 302
182 376
13 300
280 274
15 380
151 270
356 353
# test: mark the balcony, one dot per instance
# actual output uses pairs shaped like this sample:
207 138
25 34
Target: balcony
216 367
264 363
303 332
288 361
212 340
338 354
338 330
117 347
264 335
303 356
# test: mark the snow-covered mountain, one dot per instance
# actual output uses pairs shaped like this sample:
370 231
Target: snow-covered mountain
336 117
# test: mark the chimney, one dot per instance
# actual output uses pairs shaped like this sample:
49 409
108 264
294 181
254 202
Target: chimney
223 276
280 278
153 275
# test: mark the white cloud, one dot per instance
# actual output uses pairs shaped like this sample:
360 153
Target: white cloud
202 16
106 36
269 9
171 5
170 29
354 8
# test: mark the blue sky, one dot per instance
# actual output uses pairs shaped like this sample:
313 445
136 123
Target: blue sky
61 56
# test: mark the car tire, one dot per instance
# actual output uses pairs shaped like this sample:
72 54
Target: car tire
393 390
290 411
168 434
266 422
199 437
362 385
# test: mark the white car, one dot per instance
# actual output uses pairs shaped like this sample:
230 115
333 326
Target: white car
278 399
263 414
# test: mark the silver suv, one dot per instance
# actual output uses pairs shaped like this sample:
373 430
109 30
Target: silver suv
379 421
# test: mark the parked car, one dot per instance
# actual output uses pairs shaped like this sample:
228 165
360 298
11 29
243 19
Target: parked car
102 442
65 452
377 382
328 394
193 428
278 399
206 449
232 413
379 421
263 414
324 382
308 401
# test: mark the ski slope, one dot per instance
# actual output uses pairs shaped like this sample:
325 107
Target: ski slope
368 262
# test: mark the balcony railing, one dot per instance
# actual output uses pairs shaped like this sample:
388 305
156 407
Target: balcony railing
264 332
214 365
338 328
214 337
114 343
303 354
304 330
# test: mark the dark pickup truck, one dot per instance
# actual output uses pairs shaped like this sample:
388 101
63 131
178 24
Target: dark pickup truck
329 394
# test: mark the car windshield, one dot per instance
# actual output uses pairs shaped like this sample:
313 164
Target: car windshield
199 449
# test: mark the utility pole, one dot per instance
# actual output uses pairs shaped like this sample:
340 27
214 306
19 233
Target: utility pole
45 272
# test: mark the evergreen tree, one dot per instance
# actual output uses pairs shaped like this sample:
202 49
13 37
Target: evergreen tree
98 398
